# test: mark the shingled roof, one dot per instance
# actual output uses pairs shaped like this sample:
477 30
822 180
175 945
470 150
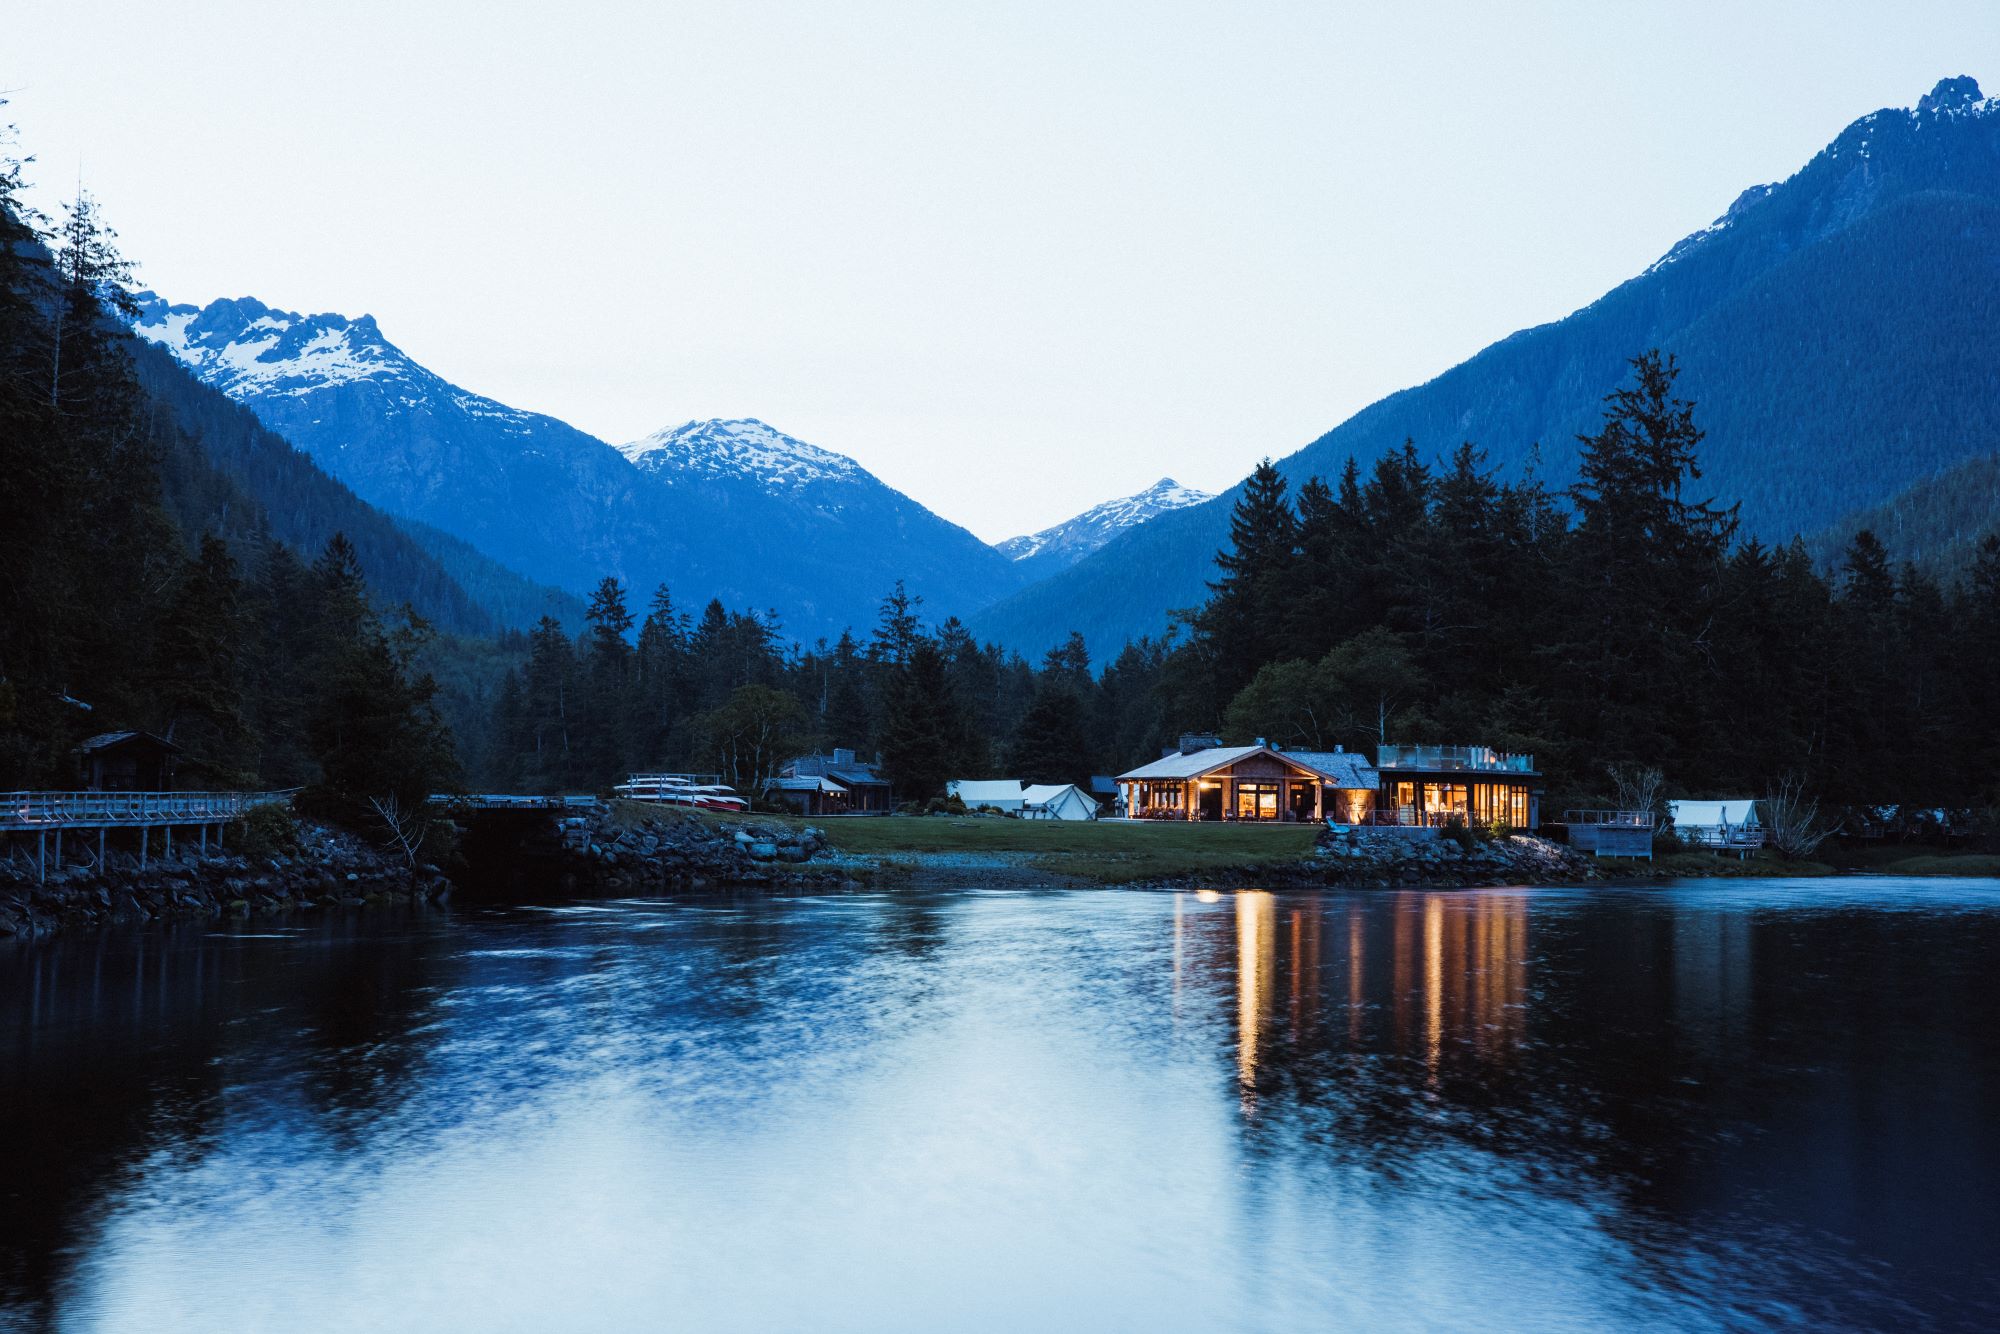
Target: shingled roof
1340 768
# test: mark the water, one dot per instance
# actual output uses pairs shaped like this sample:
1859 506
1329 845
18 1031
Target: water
1718 1105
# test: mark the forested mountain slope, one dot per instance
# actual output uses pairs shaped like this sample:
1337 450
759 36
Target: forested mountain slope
1936 523
224 472
1840 332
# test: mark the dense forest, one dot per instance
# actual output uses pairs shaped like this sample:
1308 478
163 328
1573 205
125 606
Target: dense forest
1617 621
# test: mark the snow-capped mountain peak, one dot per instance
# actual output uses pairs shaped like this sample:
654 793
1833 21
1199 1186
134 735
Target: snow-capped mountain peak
1073 539
245 348
256 354
743 447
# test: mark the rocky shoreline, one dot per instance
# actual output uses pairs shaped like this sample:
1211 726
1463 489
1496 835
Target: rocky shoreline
663 853
611 853
1384 860
328 868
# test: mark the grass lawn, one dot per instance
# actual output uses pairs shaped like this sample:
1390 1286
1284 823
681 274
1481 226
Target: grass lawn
1955 863
1109 852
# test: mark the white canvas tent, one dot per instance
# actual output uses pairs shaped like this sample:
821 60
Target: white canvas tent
1002 794
1057 801
1726 823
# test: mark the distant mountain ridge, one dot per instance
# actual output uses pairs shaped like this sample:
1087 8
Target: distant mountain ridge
743 448
1064 544
1838 332
734 510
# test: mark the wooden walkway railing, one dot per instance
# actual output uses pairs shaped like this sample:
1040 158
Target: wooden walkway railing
31 811
47 815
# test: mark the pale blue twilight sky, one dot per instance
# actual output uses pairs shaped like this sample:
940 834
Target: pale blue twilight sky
1014 257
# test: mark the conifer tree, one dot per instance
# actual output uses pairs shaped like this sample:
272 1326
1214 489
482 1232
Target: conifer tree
1646 573
924 724
198 666
1244 621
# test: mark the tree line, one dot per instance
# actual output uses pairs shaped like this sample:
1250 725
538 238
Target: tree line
264 669
1620 620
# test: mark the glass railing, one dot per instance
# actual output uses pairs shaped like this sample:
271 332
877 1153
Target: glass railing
1482 758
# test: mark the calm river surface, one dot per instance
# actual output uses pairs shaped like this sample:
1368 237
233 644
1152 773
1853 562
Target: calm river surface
1712 1105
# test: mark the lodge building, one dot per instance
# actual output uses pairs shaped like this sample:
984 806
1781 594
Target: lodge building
1416 786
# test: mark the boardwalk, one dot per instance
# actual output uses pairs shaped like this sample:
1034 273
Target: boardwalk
48 815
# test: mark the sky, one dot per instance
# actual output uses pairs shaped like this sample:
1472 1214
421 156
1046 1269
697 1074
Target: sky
1015 258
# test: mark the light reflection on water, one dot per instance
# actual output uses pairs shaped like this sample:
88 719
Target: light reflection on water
1716 1105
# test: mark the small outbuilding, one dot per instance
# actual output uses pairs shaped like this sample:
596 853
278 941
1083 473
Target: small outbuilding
841 783
127 762
1057 801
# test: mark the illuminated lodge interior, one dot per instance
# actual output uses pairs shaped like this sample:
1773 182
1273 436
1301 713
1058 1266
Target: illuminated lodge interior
1417 786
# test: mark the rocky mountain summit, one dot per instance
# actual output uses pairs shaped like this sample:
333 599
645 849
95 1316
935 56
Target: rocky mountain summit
1064 544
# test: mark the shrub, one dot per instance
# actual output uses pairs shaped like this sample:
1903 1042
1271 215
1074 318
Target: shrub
1461 833
268 831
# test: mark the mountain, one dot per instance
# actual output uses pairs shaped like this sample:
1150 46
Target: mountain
1064 544
729 510
809 532
1839 333
224 472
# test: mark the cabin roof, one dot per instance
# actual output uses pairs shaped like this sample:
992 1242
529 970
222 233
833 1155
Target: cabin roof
808 784
1341 768
1337 767
106 740
1192 765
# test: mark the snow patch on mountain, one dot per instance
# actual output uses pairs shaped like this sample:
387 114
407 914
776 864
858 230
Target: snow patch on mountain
742 447
1078 537
251 352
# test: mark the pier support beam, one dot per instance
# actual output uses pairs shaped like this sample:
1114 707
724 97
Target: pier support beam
59 849
100 847
41 848
145 836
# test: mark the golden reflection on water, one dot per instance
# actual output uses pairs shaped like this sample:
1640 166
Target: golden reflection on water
1256 969
1443 977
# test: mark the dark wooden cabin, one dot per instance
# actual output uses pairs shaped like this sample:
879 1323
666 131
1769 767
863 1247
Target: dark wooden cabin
127 762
